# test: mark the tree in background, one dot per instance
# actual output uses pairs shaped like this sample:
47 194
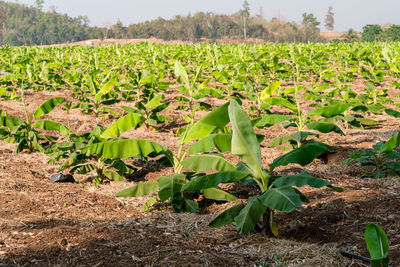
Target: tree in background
311 29
329 20
371 32
245 14
351 36
392 33
39 4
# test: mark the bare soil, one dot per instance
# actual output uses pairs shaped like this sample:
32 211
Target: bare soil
48 224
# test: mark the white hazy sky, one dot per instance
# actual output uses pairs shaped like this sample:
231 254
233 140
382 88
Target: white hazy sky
348 13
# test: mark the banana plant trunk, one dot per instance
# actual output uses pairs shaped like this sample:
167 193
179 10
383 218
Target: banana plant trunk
267 218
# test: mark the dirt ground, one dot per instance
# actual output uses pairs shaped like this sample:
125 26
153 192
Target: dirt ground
48 224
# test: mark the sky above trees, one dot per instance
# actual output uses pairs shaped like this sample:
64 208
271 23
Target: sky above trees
348 13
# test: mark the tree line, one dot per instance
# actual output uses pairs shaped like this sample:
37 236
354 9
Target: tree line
31 25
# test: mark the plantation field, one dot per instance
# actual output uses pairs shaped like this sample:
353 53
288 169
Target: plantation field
182 133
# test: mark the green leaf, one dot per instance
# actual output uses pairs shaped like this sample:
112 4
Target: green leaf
302 155
216 119
214 179
303 179
149 203
83 169
50 125
282 198
392 112
190 205
366 121
108 110
222 142
181 72
123 124
170 186
378 245
280 140
48 106
324 127
139 190
393 143
269 90
10 122
250 215
282 102
329 111
270 120
106 88
124 148
208 162
218 194
113 175
155 101
393 165
226 217
244 140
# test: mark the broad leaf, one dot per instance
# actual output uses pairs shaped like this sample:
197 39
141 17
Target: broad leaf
123 124
113 175
222 142
138 190
282 198
208 162
170 186
378 245
392 112
190 205
282 102
270 120
217 118
10 122
214 179
218 194
48 106
329 111
155 101
149 203
124 148
324 127
244 140
250 215
391 144
227 217
181 72
50 125
269 90
106 88
302 155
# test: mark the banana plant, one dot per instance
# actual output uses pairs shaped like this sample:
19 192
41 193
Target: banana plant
301 120
100 100
89 152
383 158
25 132
169 187
191 91
147 112
276 193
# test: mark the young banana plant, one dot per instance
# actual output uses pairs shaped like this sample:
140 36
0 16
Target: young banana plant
25 132
100 100
276 193
89 152
169 187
